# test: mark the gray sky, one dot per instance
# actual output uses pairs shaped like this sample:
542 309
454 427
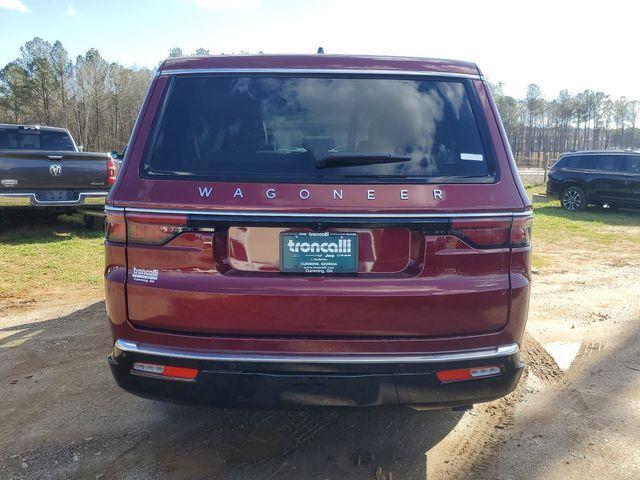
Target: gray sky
556 44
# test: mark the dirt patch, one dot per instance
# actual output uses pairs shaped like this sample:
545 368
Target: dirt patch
579 423
64 417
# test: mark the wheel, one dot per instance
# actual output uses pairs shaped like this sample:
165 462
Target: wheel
573 199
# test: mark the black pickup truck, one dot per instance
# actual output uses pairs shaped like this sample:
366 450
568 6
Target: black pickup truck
43 168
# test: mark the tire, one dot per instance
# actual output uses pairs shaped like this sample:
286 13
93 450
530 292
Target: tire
573 199
94 222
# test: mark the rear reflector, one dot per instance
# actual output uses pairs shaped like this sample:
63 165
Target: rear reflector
166 371
462 374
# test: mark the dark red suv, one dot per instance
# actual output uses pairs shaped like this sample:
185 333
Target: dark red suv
318 230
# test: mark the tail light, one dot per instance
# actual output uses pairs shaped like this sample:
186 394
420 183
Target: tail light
143 229
115 227
493 233
112 171
154 229
521 232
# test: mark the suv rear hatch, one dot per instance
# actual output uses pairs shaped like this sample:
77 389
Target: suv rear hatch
337 206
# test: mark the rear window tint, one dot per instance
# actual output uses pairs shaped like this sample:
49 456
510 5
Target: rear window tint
608 163
575 161
310 129
633 165
594 162
34 139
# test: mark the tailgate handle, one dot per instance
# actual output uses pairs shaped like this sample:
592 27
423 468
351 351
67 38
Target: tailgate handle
55 157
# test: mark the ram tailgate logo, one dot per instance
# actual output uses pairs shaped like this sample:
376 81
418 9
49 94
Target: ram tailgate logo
55 169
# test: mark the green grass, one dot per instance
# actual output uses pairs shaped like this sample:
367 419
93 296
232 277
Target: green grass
62 257
595 230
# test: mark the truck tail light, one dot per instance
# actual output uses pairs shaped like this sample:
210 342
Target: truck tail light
493 233
463 374
112 171
154 229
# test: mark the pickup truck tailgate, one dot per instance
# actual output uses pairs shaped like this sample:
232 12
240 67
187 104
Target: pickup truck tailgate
30 169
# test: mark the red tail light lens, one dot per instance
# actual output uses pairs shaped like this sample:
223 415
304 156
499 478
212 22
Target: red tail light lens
115 227
112 171
154 229
521 231
483 233
494 233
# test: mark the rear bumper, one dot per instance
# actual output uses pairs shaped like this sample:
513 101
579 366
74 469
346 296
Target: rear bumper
289 381
30 199
553 188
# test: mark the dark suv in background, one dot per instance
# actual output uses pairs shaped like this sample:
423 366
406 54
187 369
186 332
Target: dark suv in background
598 178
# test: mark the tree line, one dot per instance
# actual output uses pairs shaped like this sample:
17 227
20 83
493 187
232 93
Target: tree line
540 129
98 101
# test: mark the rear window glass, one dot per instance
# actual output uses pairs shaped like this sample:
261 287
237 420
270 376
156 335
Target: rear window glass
606 162
34 139
312 129
633 164
575 161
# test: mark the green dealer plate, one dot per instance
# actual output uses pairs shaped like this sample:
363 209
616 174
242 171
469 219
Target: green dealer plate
318 252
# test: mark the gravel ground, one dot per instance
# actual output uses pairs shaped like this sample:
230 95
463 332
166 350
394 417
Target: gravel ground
574 415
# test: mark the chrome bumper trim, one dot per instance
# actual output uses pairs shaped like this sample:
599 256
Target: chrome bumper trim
479 354
245 213
22 199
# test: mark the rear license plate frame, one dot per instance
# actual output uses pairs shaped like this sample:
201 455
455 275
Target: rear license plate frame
57 196
335 252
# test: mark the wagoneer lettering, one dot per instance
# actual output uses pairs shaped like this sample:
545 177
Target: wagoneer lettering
318 230
304 194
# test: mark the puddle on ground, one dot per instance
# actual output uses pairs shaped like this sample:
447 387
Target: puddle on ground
563 353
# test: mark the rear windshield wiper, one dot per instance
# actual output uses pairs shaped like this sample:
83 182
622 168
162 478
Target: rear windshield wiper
345 159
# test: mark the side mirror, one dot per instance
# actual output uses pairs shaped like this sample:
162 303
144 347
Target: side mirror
114 154
81 148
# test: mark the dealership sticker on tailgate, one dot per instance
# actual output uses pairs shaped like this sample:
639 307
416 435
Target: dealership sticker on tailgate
318 252
144 275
